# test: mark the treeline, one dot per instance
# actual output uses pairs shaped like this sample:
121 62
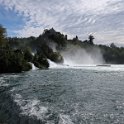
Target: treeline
17 54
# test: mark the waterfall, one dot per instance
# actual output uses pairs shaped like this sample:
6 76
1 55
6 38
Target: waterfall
33 66
52 64
55 65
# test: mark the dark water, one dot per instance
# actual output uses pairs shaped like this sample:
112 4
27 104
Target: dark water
62 96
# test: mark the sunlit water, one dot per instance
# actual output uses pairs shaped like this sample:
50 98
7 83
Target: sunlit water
70 95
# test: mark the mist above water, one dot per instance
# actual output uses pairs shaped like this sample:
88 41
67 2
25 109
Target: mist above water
78 56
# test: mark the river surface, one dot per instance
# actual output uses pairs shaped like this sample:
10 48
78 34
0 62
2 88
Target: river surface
78 95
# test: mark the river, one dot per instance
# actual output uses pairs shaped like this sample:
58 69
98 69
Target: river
69 95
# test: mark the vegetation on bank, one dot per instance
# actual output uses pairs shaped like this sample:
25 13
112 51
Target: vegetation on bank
17 54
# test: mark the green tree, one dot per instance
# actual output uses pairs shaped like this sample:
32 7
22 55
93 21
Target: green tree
91 38
2 36
27 54
112 45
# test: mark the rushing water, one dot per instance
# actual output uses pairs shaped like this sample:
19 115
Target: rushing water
77 95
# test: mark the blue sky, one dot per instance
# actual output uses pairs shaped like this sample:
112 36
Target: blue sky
11 20
102 18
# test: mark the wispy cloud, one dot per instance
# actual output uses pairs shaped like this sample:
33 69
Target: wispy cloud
75 17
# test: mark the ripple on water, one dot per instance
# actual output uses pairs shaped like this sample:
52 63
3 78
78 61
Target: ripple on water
3 82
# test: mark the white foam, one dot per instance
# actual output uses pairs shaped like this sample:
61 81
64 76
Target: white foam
65 119
31 107
34 108
102 68
113 67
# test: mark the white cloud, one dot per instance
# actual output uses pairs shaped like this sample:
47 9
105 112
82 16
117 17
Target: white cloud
74 17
